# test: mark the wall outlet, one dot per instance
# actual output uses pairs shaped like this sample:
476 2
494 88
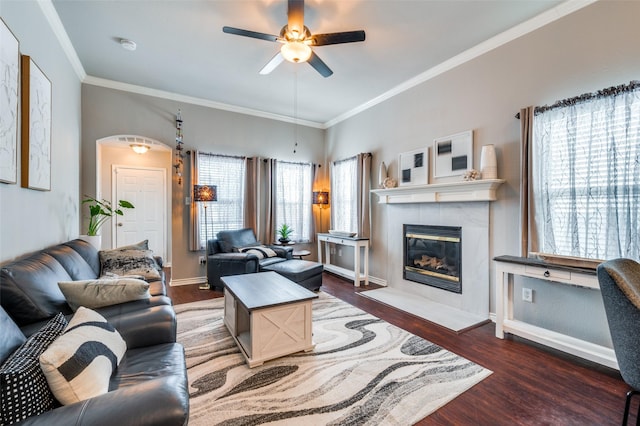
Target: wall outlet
527 295
339 252
333 250
202 260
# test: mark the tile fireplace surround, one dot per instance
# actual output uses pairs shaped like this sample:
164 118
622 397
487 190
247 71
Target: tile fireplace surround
472 216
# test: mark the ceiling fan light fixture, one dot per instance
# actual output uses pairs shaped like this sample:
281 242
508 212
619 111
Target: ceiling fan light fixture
296 51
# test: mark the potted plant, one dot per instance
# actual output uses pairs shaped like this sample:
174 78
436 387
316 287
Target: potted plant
99 212
284 232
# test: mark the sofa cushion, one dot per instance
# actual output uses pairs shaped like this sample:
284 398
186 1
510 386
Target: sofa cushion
129 262
24 389
88 252
103 292
11 337
29 291
75 265
79 363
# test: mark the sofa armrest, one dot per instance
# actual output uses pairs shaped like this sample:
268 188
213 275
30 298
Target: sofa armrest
162 401
224 264
147 327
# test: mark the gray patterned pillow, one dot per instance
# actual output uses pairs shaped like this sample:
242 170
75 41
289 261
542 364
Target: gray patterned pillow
129 262
24 391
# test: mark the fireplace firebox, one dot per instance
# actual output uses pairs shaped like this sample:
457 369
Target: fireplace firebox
433 256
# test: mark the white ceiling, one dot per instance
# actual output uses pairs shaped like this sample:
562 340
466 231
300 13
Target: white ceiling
183 54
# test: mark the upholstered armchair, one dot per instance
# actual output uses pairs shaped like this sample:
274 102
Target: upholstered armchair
620 288
233 253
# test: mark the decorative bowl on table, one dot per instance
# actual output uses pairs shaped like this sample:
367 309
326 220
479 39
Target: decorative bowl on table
341 233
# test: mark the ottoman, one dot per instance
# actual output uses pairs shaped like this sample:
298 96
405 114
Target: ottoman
303 272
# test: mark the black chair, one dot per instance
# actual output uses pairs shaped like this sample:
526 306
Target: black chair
224 259
620 287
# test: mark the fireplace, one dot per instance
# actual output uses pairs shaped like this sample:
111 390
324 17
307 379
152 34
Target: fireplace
433 256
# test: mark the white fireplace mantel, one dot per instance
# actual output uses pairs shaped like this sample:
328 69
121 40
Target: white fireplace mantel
475 190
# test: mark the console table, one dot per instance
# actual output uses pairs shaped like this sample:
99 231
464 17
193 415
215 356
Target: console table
360 256
506 268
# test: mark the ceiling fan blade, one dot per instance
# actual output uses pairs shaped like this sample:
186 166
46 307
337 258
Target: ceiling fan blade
320 66
252 34
295 14
337 38
272 64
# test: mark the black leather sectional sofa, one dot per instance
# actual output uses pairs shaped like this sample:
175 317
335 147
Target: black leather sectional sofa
150 383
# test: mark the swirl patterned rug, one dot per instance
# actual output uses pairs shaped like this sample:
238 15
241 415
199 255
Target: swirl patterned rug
362 371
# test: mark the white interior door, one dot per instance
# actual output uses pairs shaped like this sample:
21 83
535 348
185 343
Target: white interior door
146 189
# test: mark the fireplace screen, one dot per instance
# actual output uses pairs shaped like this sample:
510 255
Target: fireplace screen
432 256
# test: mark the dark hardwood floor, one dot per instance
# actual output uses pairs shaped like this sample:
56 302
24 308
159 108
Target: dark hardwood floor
530 384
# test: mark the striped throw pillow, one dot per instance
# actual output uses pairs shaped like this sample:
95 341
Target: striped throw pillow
260 251
79 363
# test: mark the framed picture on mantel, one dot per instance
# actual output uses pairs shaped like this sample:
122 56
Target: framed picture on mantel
414 167
453 155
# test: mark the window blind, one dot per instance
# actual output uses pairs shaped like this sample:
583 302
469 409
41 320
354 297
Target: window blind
344 195
228 174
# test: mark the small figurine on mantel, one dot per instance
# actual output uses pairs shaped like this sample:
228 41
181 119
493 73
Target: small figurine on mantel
470 175
389 183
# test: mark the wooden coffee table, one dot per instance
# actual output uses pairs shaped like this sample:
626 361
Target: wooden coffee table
268 315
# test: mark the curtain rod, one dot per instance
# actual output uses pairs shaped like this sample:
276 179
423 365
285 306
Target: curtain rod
264 160
585 97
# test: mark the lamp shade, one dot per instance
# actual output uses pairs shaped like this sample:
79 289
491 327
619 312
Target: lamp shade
320 197
205 193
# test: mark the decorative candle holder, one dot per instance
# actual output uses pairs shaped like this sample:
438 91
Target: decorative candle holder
488 162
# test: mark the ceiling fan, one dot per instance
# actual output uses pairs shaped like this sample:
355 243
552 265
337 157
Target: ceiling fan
297 40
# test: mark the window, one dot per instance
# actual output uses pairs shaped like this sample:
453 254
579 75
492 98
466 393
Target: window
227 213
344 195
293 198
586 177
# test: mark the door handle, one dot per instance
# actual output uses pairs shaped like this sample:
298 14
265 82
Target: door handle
120 224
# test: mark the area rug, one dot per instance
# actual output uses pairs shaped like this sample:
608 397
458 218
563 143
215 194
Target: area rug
363 371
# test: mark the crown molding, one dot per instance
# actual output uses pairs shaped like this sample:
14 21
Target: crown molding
111 84
52 17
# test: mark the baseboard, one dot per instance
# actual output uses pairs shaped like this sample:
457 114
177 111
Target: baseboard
378 281
492 316
187 281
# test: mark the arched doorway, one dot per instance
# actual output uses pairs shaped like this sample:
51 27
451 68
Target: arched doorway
143 179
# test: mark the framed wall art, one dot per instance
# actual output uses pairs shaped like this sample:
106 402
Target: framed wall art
36 127
414 167
9 87
453 155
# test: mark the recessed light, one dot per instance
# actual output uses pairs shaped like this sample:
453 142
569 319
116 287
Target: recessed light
128 44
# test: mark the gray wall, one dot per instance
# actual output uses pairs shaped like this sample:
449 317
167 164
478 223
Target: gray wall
31 220
108 112
588 50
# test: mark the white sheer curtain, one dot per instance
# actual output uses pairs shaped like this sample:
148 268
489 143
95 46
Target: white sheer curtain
293 198
344 195
586 178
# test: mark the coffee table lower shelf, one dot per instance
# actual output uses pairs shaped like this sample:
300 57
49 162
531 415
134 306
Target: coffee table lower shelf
272 331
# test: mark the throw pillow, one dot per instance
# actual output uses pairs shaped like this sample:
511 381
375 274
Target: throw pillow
23 387
142 245
79 363
129 262
103 292
260 251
